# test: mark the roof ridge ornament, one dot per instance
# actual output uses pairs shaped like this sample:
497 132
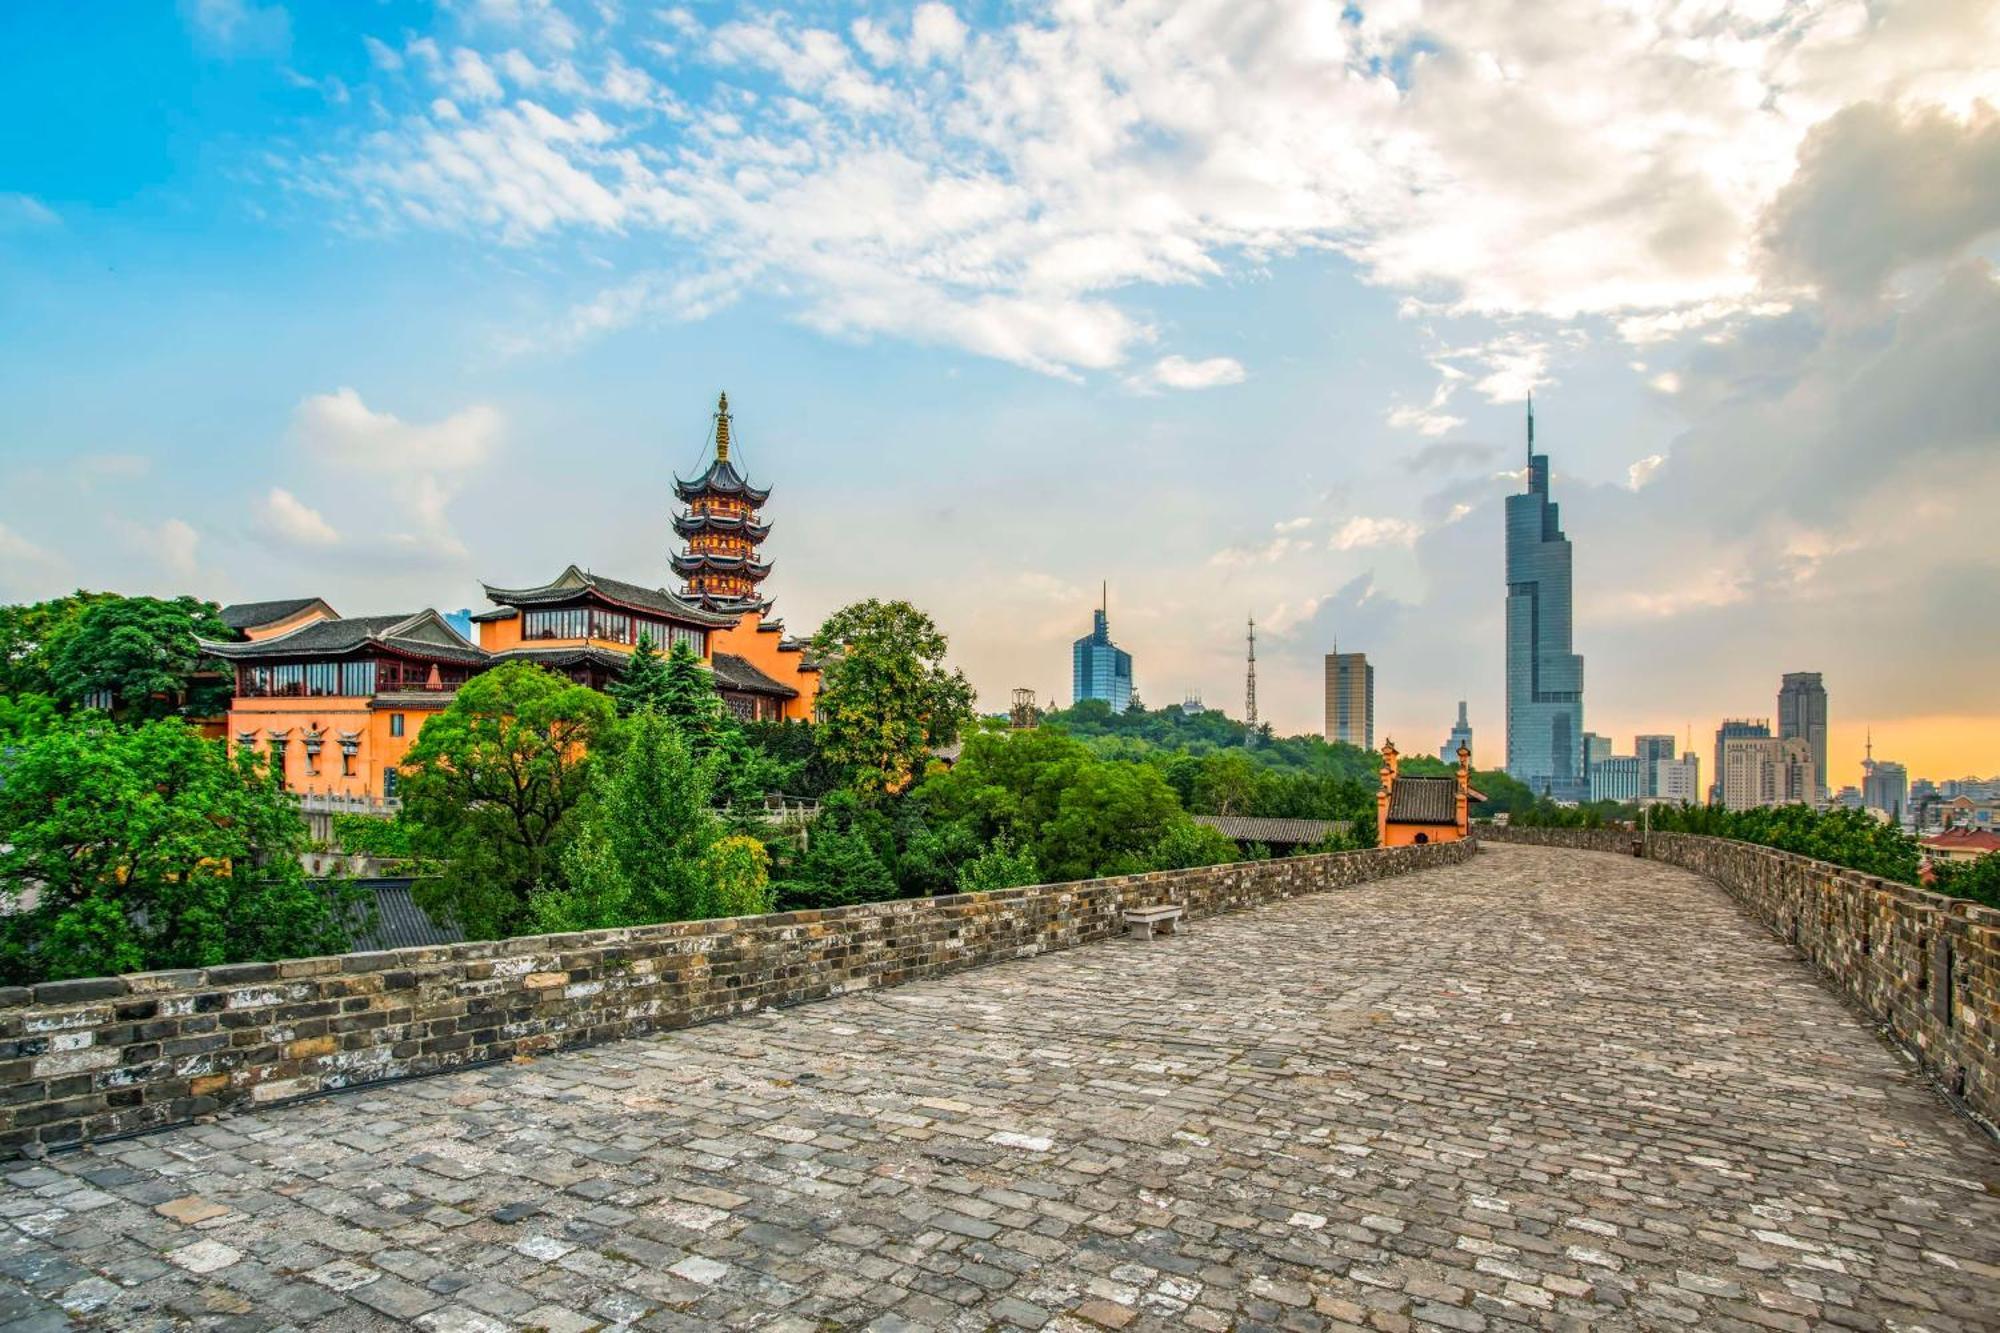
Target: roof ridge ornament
722 428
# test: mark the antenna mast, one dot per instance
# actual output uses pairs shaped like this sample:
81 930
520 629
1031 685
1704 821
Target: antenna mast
1250 687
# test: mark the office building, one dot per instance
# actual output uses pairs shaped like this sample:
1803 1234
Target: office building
1616 778
1544 677
1735 728
1765 770
1678 781
1652 751
1802 716
1350 699
1461 735
1099 668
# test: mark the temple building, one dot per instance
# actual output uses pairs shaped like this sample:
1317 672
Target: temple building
336 702
1411 810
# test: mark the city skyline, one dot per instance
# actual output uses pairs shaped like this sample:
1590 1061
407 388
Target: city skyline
321 301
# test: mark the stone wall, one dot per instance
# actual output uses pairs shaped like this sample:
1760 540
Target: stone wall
85 1059
1923 966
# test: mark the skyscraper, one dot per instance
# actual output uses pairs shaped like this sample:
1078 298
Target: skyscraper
1765 770
1652 751
1734 728
1099 669
1350 699
1885 785
1544 678
1802 716
1461 734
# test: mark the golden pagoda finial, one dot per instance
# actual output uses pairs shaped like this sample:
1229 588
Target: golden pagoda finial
722 429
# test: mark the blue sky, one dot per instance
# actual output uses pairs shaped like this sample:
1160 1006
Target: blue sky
1231 305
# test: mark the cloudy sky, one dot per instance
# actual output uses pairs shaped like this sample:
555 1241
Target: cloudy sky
1233 305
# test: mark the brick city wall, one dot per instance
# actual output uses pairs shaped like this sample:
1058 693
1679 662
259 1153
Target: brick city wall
85 1059
1923 966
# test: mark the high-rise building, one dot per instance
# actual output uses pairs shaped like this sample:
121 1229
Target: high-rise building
1596 749
1802 716
1350 699
1544 677
1461 734
1616 778
1652 751
1679 780
1099 668
1733 728
1765 770
1885 786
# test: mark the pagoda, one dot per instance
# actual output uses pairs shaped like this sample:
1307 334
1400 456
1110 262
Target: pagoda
719 564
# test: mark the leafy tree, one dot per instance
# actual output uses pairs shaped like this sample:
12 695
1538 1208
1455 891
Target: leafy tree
490 790
372 835
886 698
1226 784
1001 866
1978 880
29 636
148 847
738 874
644 680
840 867
643 835
141 651
1851 838
25 716
1187 844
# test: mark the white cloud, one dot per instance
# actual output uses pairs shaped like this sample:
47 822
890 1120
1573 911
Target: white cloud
292 522
1641 472
16 547
341 429
1177 372
239 27
1362 532
1537 158
25 211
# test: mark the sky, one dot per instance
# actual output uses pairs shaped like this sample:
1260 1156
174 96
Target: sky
1229 307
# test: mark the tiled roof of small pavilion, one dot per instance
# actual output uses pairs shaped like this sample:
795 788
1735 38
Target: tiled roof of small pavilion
1292 832
575 583
422 634
1423 800
240 616
737 673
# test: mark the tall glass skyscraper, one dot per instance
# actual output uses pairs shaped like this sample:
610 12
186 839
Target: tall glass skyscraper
1802 716
1544 678
1099 668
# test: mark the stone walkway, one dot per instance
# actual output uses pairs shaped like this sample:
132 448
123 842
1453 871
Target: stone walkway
1544 1089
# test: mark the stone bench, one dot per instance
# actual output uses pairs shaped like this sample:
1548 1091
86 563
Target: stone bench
1141 921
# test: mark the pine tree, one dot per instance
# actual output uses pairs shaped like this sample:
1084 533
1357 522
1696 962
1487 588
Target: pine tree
686 697
644 681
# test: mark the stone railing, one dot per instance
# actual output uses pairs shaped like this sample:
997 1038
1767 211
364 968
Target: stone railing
85 1059
1925 967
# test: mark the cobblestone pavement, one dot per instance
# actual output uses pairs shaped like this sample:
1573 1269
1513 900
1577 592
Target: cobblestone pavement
1545 1089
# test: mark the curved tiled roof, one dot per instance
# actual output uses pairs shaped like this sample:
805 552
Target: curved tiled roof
423 634
687 525
240 616
574 582
722 478
1423 801
737 673
694 562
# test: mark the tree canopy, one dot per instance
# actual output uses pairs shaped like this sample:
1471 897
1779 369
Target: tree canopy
132 848
886 697
490 789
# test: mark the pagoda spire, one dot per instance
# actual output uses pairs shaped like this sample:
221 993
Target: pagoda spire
722 428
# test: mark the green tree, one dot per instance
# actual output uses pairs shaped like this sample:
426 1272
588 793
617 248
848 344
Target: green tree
25 716
1186 844
1226 784
1978 880
886 697
1001 866
738 874
147 847
30 633
142 653
644 680
490 790
639 853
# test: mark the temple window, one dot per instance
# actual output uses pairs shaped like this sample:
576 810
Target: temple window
395 724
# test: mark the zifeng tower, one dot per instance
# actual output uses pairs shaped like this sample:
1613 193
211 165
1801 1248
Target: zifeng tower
1544 677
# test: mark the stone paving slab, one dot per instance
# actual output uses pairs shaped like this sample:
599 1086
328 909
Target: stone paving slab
1544 1089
